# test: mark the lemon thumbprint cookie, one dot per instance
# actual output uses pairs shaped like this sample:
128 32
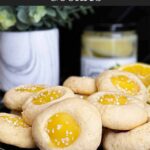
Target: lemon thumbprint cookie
120 81
37 103
136 139
118 111
15 97
140 69
14 131
73 124
81 85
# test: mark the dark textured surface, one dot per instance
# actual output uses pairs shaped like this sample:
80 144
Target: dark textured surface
8 147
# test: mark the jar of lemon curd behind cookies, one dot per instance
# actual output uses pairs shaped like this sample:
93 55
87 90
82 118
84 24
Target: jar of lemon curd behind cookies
107 45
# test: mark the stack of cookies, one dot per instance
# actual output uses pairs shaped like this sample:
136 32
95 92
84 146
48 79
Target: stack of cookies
111 110
50 118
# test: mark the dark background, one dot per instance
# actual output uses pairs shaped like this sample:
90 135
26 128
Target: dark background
70 39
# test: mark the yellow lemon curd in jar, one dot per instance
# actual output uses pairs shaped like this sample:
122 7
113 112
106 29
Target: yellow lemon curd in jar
14 120
32 89
110 99
125 84
62 129
46 97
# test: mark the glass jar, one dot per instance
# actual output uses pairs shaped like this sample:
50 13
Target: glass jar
107 45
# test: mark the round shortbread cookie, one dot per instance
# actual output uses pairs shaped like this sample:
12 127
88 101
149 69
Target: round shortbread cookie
39 102
81 85
120 81
15 97
72 124
136 139
118 111
14 131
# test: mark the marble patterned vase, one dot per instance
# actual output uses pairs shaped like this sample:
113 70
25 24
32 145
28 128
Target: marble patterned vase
29 57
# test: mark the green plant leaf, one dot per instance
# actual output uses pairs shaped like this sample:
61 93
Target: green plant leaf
36 13
7 18
39 17
83 10
62 14
23 16
22 27
51 12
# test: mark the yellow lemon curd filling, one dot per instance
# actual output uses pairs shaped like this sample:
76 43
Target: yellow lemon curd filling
14 120
138 69
32 89
62 129
46 97
111 99
125 84
143 72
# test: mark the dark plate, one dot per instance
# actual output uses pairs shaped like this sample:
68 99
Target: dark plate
8 147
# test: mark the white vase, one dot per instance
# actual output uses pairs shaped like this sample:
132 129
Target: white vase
29 58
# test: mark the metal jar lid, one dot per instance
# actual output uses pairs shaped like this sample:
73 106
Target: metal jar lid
112 27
